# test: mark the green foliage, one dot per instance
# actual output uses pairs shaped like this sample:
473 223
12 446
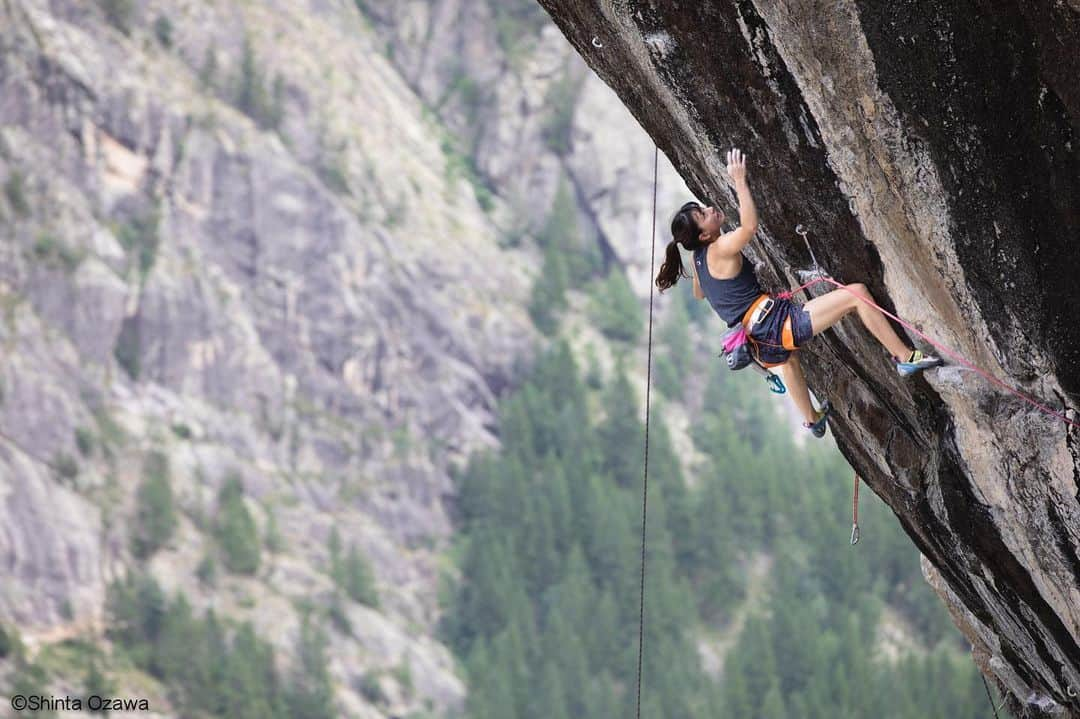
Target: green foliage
352 572
360 579
333 545
236 533
253 98
337 615
666 377
312 693
548 297
207 571
51 251
621 429
274 541
119 13
549 573
15 191
210 670
97 682
561 232
10 644
136 607
517 25
109 432
549 529
163 31
66 467
155 514
29 679
140 235
181 430
370 688
674 337
561 101
84 440
459 164
333 172
474 98
614 309
403 675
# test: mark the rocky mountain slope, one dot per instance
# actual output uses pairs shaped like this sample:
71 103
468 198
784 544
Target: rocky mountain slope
931 149
249 238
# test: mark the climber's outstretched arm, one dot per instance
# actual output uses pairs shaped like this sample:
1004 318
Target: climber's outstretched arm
731 243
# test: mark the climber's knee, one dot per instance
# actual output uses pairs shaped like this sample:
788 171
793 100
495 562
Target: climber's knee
857 290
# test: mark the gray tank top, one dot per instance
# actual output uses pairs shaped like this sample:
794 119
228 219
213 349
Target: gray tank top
731 297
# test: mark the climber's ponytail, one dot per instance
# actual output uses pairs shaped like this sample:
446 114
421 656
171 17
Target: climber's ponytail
685 231
672 269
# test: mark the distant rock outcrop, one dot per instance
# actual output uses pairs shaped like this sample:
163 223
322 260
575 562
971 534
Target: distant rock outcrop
931 148
287 242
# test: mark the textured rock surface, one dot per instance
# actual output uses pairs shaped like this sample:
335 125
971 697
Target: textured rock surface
308 311
441 45
317 302
931 148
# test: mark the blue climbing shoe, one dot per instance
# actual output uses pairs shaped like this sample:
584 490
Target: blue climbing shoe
916 363
818 426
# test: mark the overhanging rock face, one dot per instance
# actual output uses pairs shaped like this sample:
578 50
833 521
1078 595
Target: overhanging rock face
931 149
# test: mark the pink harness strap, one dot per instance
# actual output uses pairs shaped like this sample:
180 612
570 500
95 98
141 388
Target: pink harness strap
734 339
952 353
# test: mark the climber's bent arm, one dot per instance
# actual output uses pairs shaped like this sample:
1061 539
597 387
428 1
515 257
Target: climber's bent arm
731 243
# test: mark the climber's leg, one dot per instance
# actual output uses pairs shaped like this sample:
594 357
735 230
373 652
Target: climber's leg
827 310
796 384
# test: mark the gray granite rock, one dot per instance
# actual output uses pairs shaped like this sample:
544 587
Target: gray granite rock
931 150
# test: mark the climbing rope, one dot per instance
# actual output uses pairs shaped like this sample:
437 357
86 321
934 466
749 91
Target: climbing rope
855 512
987 688
951 352
818 274
648 387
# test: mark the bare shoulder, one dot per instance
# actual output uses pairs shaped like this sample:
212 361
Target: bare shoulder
723 264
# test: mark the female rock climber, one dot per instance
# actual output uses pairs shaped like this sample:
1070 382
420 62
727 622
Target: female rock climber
777 326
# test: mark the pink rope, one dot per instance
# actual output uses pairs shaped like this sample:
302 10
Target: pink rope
952 353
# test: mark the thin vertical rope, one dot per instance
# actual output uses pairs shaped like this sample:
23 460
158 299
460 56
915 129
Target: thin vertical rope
987 688
648 389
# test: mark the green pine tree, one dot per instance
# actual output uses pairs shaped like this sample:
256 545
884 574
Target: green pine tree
614 309
621 433
337 565
773 706
236 532
310 694
175 645
155 515
360 579
548 298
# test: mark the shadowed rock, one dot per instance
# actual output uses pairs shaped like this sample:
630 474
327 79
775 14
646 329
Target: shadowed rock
931 149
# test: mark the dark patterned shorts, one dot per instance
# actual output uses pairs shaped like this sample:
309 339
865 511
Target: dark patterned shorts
787 327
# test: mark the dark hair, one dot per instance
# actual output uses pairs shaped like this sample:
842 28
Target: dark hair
685 232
